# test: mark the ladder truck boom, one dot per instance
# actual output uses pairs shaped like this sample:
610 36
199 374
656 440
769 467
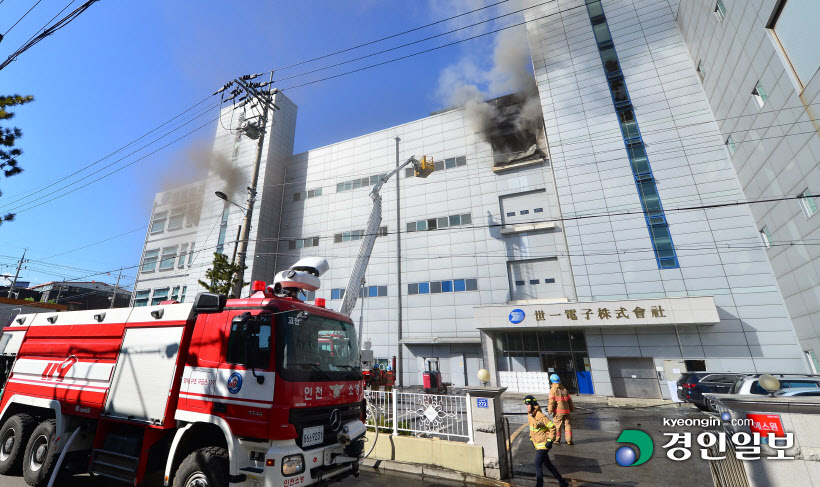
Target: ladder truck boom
423 169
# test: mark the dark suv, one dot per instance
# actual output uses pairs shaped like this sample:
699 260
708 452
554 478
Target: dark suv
692 385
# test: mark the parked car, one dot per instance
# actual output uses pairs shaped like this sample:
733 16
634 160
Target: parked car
798 391
748 384
692 385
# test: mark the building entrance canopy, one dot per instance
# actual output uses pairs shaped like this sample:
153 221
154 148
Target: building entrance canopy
607 314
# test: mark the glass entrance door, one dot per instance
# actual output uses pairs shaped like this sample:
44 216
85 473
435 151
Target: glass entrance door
561 363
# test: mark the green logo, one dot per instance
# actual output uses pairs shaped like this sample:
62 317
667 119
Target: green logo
625 456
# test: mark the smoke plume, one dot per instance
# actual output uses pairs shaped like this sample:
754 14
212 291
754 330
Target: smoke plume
460 85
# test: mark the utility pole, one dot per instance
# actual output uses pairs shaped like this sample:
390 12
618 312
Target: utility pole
264 99
399 364
16 274
116 286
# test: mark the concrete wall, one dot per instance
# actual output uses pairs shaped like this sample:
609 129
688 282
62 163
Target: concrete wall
778 144
452 455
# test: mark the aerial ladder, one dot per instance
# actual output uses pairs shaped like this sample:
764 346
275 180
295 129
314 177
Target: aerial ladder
422 169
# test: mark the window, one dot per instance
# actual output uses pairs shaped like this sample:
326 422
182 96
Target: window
359 234
510 213
149 262
160 295
158 224
373 292
794 24
807 203
303 242
223 229
730 144
766 237
437 223
524 212
237 345
337 293
449 286
141 298
169 256
812 358
701 71
450 163
191 254
175 293
177 220
182 295
182 255
307 194
759 95
538 210
610 60
601 32
720 10
359 183
549 280
519 283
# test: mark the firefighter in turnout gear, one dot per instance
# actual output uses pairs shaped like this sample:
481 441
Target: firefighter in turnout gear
560 406
542 434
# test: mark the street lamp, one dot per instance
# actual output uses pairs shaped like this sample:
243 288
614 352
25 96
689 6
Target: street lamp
223 196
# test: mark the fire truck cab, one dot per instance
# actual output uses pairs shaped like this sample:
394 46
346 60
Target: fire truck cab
218 392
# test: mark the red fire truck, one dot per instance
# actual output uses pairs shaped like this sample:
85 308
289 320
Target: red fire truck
213 393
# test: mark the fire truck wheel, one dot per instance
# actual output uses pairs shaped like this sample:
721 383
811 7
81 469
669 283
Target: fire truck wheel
206 467
39 460
13 437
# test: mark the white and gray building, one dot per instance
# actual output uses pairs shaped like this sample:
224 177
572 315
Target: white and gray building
609 242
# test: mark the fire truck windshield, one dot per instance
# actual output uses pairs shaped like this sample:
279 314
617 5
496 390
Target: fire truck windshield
314 348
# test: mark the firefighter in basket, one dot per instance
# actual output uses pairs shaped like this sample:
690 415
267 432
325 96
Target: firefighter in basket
559 407
542 435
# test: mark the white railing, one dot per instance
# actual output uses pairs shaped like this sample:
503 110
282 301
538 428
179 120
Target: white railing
426 415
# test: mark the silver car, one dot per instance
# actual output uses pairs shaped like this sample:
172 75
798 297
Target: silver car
749 384
798 392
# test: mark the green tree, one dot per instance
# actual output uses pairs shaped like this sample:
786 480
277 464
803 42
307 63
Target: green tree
223 276
8 137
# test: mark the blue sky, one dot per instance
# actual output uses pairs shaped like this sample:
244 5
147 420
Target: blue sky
124 67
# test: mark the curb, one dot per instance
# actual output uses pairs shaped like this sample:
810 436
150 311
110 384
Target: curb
427 471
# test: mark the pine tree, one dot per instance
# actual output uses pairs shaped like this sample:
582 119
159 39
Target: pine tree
223 276
8 136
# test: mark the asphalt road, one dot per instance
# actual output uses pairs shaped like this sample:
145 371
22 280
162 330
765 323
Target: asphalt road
591 461
366 479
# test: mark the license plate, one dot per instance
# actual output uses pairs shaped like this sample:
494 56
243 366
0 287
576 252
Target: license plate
313 435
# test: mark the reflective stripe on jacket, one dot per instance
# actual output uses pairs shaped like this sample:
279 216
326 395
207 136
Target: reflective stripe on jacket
560 401
541 429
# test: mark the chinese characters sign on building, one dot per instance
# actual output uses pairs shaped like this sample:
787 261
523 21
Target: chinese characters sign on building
592 314
693 310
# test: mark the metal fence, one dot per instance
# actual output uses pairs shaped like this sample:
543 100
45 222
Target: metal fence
426 415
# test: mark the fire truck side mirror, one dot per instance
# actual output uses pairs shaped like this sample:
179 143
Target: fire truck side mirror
209 303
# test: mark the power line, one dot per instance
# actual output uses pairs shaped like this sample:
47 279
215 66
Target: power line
386 38
412 43
21 18
115 170
558 219
47 32
6 205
